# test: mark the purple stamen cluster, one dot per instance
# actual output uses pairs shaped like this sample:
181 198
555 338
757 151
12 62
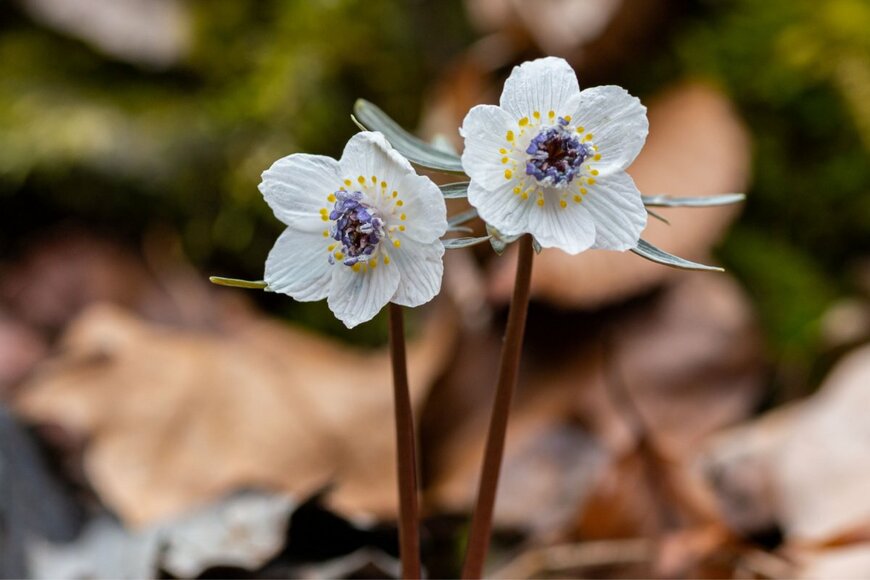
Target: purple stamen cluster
556 155
357 227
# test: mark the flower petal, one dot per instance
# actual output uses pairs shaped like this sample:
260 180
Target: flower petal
421 268
501 207
298 265
618 211
368 154
543 85
617 122
423 208
356 297
296 188
484 129
568 228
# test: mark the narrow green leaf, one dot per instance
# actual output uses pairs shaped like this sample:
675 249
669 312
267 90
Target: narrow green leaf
236 283
455 243
710 201
658 216
461 218
646 250
455 190
371 117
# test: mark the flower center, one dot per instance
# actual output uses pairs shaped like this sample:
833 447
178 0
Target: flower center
357 227
555 155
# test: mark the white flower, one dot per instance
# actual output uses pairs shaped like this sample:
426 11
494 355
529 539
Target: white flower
361 232
550 160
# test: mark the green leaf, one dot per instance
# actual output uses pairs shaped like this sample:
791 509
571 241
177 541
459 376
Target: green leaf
237 283
455 190
371 117
646 250
710 201
455 243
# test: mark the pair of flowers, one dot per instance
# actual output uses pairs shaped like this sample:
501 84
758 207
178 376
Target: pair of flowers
550 161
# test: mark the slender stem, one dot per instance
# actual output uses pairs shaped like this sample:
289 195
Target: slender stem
409 533
481 522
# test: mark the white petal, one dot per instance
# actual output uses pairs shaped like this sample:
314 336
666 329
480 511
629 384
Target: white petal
617 208
298 265
484 129
617 122
570 229
423 207
543 85
296 188
356 297
421 268
501 207
368 154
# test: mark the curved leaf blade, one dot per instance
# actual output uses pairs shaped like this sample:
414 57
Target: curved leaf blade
455 190
456 243
709 201
238 283
371 117
648 251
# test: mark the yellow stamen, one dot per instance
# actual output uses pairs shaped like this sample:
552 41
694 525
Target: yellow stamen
524 121
563 203
331 198
386 260
399 203
540 202
510 136
551 114
397 243
508 173
361 179
403 217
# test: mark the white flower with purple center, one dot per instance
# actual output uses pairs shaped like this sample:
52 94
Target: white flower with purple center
361 231
550 160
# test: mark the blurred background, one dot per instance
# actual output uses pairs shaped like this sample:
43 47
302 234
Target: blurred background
669 424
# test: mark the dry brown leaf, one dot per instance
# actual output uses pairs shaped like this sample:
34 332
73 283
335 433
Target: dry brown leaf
737 464
847 563
177 418
821 472
697 146
689 358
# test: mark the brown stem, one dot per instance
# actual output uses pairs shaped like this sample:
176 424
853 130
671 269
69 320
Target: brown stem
409 533
481 522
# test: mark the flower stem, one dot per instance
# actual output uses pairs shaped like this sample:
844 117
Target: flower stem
481 522
409 533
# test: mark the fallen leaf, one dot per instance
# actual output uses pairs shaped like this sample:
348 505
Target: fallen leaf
846 563
820 473
176 418
689 359
697 146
